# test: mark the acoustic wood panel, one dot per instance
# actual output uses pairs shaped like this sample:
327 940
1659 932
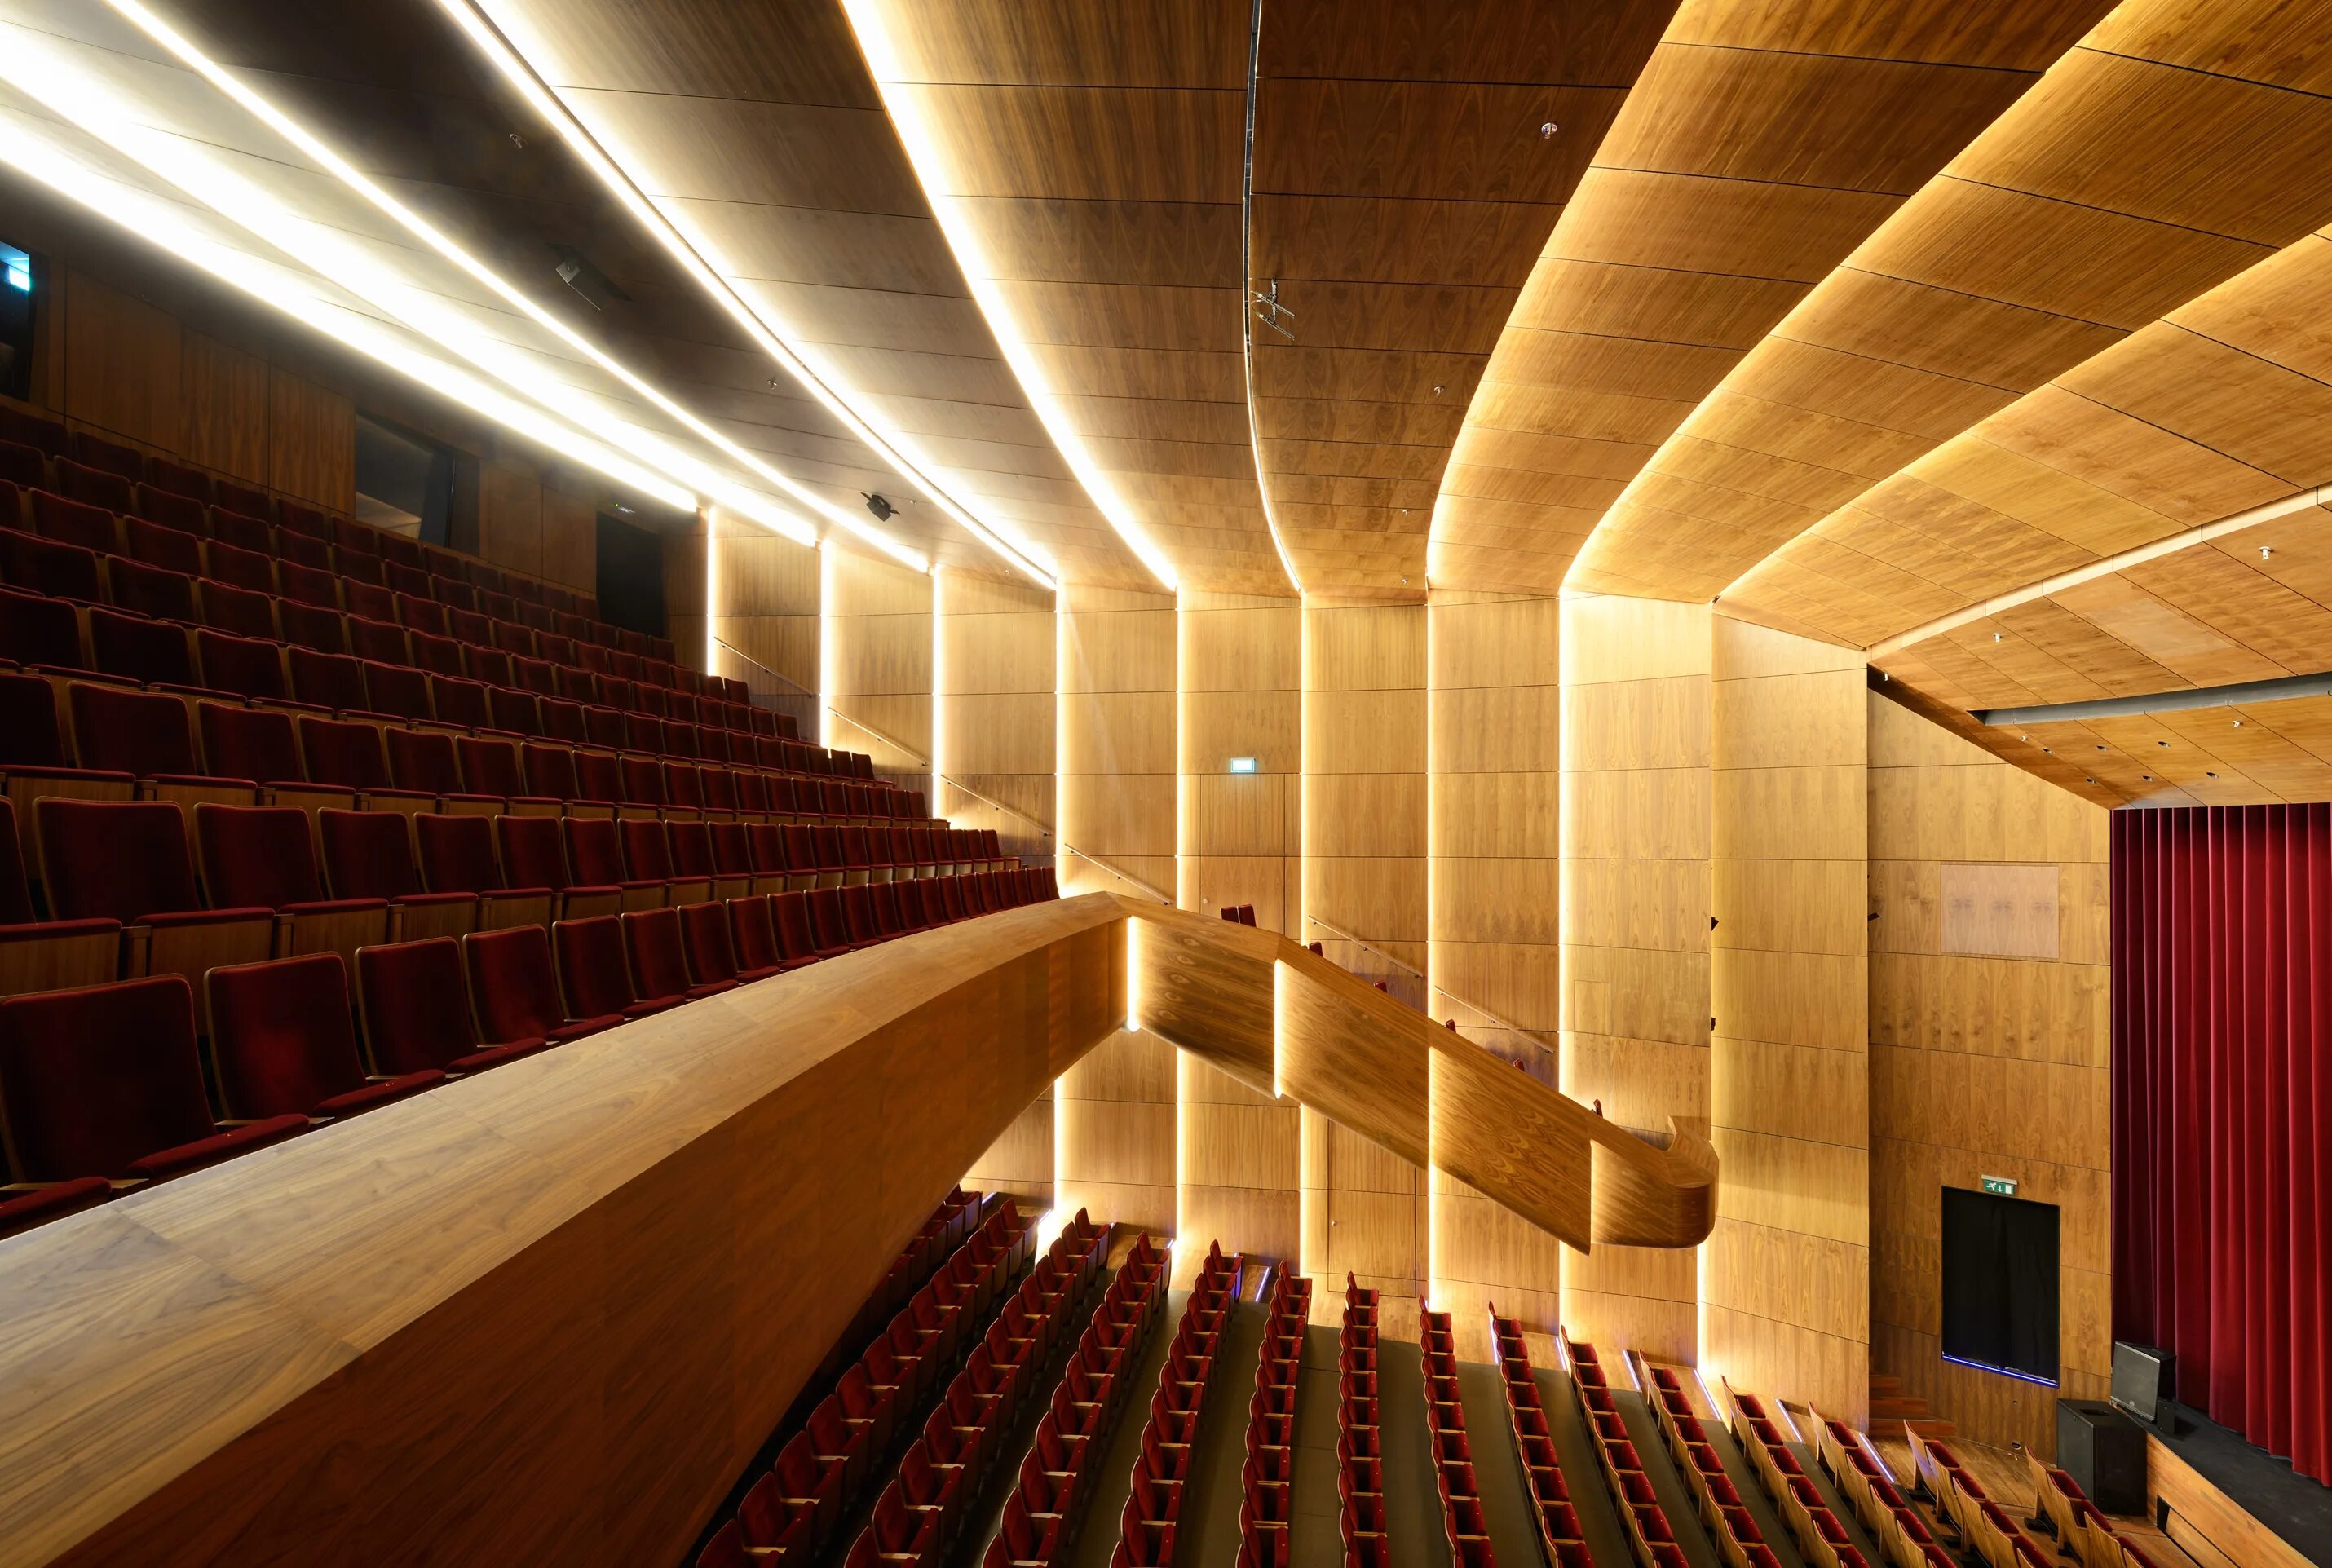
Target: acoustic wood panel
1117 744
1983 1066
686 559
764 591
1022 1160
993 711
1759 147
1404 182
1241 833
1635 908
1237 1164
1785 1276
1113 1153
1364 754
878 678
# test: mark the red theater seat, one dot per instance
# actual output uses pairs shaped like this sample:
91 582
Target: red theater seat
370 854
416 1003
593 980
263 856
150 590
659 956
707 932
594 858
534 855
458 855
514 988
281 1043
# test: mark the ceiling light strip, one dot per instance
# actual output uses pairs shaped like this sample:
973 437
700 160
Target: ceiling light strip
1247 301
521 73
920 145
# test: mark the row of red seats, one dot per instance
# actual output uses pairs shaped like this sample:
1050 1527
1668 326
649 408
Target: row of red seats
1039 1525
1360 1433
1960 1502
1161 1472
1650 1537
101 1087
1462 1522
796 1505
1561 1540
1819 1534
1738 1539
38 452
1266 1480
1901 1532
1239 914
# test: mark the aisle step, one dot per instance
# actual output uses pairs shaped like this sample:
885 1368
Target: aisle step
1599 1516
1208 1533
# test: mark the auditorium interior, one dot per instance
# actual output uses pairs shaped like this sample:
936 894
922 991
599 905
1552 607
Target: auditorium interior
1106 783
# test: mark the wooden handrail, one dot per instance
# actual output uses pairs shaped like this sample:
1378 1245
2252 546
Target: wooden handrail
550 1313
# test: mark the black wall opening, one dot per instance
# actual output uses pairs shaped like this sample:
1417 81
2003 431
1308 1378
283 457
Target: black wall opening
405 482
20 278
631 576
2000 1283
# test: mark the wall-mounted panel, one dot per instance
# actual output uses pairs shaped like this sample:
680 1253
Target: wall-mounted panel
1240 834
993 721
878 684
1117 652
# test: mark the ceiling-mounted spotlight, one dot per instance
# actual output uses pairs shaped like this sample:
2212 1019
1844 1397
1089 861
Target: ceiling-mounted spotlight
881 508
574 270
1546 131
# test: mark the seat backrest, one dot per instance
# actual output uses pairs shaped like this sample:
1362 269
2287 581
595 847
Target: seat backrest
531 855
280 1039
455 701
256 855
491 766
78 519
416 1002
346 753
394 689
595 856
789 913
158 544
754 934
93 1080
826 919
237 611
423 759
150 590
550 770
514 989
659 956
30 736
705 935
328 679
598 774
245 665
594 978
457 854
368 854
15 891
691 844
246 569
307 585
647 854
114 859
141 649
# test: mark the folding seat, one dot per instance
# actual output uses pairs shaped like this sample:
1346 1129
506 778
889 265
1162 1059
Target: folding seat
594 978
561 721
72 522
415 612
803 1482
513 711
108 459
900 1530
458 703
659 956
533 854
105 1081
36 431
23 467
154 592
239 530
265 857
395 691
244 667
462 617
601 776
281 1043
397 547
518 641
594 858
146 735
860 917
245 568
648 857
732 857
310 627
307 586
775 1528
691 847
369 855
458 855
926 1488
682 792
839 1442
437 656
357 568
348 754
149 651
830 924
329 681
514 988
415 1001
370 638
356 538
797 938
578 686
643 796
706 928
753 938
34 760
424 762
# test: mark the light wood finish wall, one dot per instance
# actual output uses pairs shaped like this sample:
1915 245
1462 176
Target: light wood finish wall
764 603
1494 795
1785 1278
1982 1064
1115 1152
994 717
1364 753
1238 1168
1022 1160
1635 763
1117 748
687 606
1240 836
878 687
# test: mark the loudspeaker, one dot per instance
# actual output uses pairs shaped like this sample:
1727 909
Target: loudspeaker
2105 1453
2145 1382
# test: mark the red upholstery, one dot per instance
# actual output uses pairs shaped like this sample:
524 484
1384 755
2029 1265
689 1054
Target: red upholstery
458 855
327 679
259 856
705 931
594 853
30 736
105 1082
345 753
158 544
246 569
139 732
593 979
45 566
281 1042
154 652
514 989
53 1201
118 860
75 520
151 590
659 956
241 530
241 612
392 689
369 855
423 761
243 666
416 1003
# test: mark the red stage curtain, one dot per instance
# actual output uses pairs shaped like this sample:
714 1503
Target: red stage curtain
2222 1092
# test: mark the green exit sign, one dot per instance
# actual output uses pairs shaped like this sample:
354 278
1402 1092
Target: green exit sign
2000 1186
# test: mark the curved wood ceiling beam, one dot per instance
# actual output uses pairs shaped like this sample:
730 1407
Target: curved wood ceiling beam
1402 187
548 1314
759 133
1762 144
1899 444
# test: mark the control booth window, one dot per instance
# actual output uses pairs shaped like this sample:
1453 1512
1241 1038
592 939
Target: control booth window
18 282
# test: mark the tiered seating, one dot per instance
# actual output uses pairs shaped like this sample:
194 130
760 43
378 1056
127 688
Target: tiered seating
1146 1525
1561 1540
1738 1539
1041 1515
1453 1453
1960 1501
1266 1480
1901 1532
1822 1538
2079 1525
1360 1434
1651 1539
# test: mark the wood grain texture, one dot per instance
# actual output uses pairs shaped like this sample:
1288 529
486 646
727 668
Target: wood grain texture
1240 834
1365 789
1982 1065
1116 758
878 630
993 711
765 604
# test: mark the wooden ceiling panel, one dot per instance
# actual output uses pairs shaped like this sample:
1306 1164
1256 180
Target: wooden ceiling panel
1710 309
1366 239
1454 42
1124 43
735 50
1425 141
1168 244
2024 38
1086 144
2243 408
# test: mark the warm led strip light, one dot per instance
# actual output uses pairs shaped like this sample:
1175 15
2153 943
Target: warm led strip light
491 37
963 238
300 297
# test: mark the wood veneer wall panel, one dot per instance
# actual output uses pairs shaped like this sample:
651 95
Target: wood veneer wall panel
764 603
878 635
1117 654
1113 1153
1982 1065
1364 752
1240 836
1238 1159
1635 830
993 711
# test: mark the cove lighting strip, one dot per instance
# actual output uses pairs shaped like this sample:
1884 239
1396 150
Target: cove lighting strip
171 226
921 145
493 38
483 350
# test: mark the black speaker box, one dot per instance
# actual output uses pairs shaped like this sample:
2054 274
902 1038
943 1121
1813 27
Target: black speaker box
2105 1453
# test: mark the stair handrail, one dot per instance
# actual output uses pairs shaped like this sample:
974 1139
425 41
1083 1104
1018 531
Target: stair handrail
1119 871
